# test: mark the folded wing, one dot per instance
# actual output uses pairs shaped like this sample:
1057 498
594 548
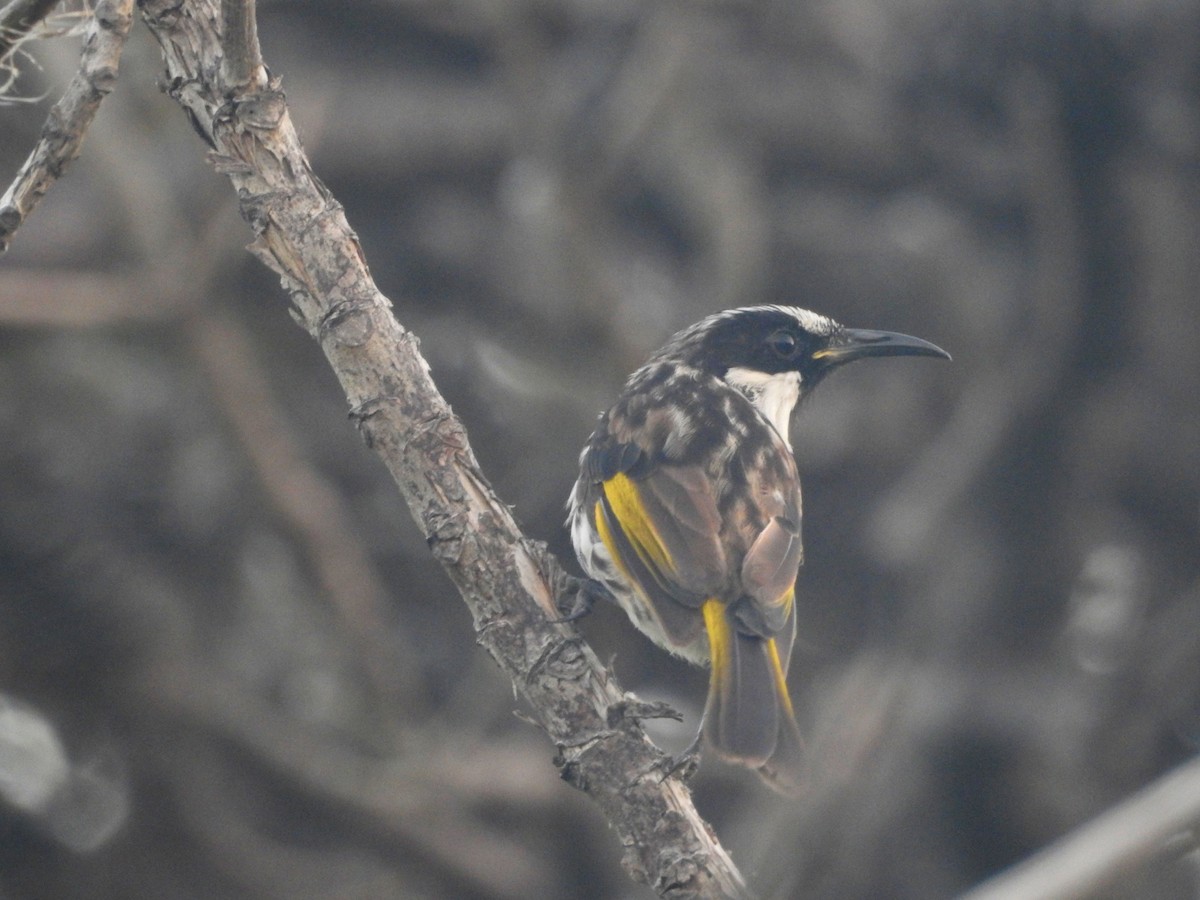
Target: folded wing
663 532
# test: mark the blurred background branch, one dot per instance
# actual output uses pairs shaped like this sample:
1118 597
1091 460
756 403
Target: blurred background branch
1122 839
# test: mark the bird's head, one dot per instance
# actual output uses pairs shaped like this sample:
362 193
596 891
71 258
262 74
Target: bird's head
776 354
757 342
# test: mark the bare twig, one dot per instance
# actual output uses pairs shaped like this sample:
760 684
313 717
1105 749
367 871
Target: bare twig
1110 845
68 122
507 581
18 18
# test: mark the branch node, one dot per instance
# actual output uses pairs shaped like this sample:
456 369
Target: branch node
348 322
261 110
562 659
110 18
161 13
361 415
444 535
104 79
371 407
635 710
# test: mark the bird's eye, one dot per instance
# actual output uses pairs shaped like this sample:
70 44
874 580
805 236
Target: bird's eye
783 343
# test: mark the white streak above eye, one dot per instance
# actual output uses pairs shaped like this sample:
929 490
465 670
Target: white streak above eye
774 396
813 323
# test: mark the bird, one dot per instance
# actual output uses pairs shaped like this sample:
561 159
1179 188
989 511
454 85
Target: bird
687 511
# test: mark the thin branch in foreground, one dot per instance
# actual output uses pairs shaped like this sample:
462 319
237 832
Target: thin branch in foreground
1114 843
69 120
508 581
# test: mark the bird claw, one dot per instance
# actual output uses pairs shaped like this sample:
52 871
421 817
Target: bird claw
682 765
581 595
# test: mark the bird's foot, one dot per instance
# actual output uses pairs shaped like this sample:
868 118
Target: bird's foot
576 597
633 708
683 765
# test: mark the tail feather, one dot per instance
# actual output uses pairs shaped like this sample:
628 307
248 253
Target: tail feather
749 718
784 771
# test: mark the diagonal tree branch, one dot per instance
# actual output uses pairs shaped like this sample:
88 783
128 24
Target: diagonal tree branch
507 580
68 122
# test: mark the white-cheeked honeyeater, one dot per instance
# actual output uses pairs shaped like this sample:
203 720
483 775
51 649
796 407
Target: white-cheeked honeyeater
687 510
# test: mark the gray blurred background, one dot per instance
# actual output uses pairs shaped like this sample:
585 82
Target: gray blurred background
228 665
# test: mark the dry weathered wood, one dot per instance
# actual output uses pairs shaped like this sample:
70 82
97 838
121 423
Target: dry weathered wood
506 580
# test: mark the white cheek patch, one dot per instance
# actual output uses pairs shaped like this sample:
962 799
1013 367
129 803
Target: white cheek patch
774 396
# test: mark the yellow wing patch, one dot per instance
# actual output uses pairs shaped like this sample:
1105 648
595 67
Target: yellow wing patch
606 536
626 504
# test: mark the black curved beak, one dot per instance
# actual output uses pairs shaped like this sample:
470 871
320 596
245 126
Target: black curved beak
850 344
